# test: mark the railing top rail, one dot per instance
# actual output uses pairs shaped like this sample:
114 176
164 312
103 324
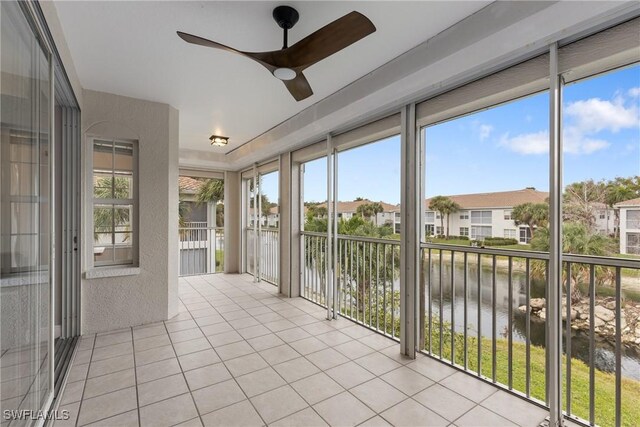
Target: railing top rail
353 238
200 228
517 253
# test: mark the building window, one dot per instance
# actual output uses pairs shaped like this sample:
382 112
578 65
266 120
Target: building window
602 216
507 215
114 202
633 243
510 233
480 232
480 217
439 231
633 219
464 215
430 217
464 231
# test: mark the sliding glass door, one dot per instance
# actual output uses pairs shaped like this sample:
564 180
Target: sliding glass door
25 294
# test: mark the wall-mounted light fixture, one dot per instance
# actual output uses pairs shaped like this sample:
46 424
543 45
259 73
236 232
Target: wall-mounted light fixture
219 141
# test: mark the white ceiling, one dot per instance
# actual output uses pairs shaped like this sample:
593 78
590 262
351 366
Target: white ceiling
130 48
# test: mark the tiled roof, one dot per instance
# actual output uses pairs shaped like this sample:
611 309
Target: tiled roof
627 203
502 199
188 184
352 206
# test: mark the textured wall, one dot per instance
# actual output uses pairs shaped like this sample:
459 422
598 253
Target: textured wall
150 295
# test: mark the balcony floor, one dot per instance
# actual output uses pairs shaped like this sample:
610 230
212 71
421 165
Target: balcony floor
238 354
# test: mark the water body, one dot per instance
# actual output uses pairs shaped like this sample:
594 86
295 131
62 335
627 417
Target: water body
604 355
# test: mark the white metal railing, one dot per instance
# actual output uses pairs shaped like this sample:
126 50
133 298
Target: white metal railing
201 250
268 253
478 314
368 273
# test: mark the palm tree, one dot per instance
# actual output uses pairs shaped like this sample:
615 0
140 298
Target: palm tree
533 215
577 238
444 206
367 210
106 219
211 191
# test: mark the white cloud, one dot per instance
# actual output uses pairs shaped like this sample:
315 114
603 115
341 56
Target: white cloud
585 119
574 142
595 115
527 143
485 131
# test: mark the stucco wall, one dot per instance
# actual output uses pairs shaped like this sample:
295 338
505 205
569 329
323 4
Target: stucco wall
152 294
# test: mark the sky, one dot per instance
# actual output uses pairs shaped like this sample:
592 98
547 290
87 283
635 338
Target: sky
503 148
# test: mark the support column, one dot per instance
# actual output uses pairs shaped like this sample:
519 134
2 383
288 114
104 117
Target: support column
328 257
410 228
297 221
284 223
554 280
232 224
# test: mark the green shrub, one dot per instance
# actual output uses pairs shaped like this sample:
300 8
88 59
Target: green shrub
499 241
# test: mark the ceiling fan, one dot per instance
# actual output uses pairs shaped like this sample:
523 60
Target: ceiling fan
288 63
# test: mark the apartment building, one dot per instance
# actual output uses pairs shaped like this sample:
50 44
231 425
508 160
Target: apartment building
629 226
484 215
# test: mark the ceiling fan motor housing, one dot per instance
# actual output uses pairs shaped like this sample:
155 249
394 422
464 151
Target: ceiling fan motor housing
285 16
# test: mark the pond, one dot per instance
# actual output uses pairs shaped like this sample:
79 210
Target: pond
605 353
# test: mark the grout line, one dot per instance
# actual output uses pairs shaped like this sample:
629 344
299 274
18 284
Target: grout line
234 379
86 379
135 378
184 377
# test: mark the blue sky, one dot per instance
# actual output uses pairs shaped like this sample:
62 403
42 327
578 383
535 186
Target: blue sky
504 148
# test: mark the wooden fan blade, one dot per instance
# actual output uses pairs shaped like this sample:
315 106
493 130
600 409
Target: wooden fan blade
299 87
328 40
190 38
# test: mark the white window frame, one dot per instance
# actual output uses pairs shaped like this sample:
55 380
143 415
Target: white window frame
474 232
510 233
507 214
117 269
633 223
636 247
482 217
464 215
464 231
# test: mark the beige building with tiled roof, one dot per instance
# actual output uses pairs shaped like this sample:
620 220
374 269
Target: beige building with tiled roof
485 215
629 226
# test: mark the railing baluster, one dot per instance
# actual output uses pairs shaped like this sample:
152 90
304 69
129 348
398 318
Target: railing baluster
510 323
528 327
440 271
453 305
619 346
465 283
384 287
568 337
393 284
377 282
592 342
479 332
493 318
370 282
429 297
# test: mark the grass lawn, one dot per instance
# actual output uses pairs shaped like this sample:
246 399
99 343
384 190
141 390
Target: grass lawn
604 381
219 260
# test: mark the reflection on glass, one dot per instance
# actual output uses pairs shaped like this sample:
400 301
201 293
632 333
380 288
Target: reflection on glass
24 254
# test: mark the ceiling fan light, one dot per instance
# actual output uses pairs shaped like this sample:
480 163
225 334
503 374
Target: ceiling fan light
219 141
284 73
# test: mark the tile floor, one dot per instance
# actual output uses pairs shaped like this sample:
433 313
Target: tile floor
239 355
